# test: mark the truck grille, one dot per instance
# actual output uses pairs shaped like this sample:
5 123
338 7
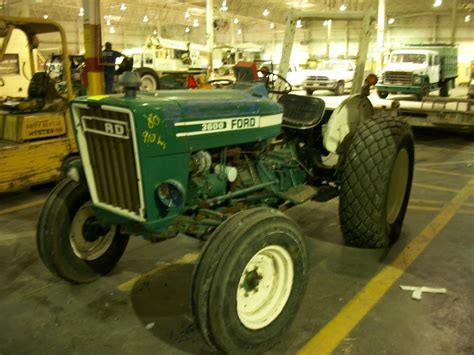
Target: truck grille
397 78
318 78
109 151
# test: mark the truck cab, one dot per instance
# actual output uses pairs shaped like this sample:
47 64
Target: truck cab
334 75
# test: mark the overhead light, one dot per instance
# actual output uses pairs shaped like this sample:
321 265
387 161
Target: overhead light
45 16
266 12
467 18
81 12
327 23
236 20
187 29
343 7
272 26
196 23
155 31
112 29
145 18
299 24
391 21
438 3
224 6
239 31
108 22
187 14
123 7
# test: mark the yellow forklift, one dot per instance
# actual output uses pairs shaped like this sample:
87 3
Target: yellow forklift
36 135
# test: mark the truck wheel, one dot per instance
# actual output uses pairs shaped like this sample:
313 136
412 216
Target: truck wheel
249 281
445 90
309 92
425 91
71 242
382 94
339 90
149 79
376 177
67 164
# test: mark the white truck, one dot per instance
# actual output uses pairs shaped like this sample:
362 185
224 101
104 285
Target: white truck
334 75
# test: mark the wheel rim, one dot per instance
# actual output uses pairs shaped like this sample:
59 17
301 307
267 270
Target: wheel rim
83 248
397 186
264 287
148 83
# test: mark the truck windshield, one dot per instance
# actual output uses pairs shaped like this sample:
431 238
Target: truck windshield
408 58
332 66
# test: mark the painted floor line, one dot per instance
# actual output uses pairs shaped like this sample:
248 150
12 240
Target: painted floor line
22 206
333 333
442 172
435 187
445 163
185 259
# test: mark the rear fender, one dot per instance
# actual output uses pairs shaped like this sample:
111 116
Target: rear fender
344 121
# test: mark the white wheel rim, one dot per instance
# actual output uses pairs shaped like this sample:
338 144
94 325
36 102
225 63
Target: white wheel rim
83 248
148 83
397 186
258 306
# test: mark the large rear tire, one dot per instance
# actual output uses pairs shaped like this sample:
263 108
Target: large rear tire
376 177
71 242
149 79
249 281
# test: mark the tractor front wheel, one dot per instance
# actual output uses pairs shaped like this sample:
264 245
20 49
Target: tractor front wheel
376 177
71 241
249 281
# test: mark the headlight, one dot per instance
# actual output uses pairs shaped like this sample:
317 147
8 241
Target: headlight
171 193
416 79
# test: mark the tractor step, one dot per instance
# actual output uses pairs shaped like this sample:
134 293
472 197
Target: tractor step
299 193
326 193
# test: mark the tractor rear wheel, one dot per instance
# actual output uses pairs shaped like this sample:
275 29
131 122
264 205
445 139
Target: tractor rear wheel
376 177
70 240
249 281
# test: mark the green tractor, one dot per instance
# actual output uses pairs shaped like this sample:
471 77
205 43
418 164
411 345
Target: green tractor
221 165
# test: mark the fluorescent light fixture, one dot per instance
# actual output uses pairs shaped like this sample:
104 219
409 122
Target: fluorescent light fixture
467 18
326 23
45 16
266 12
81 12
123 7
272 26
108 23
196 23
239 31
343 7
224 6
112 29
187 14
299 24
187 29
438 3
391 21
145 18
236 20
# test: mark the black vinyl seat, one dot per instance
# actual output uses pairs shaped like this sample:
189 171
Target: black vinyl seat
301 112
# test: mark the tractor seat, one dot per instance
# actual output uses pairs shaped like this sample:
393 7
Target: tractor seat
301 112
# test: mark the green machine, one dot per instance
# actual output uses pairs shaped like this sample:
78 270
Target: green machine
222 165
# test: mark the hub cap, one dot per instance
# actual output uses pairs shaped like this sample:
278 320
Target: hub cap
397 186
88 240
264 287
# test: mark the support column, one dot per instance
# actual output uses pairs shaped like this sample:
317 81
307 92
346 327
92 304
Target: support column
288 40
347 39
25 8
435 29
328 39
93 46
454 24
210 32
380 34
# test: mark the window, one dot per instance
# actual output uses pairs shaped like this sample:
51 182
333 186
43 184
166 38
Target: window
436 60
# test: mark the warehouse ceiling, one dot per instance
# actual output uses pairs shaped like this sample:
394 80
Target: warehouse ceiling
185 12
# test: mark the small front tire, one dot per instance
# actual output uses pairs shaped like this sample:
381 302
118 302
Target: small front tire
71 242
249 281
339 90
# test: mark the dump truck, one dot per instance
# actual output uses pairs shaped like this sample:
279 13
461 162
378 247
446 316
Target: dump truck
419 70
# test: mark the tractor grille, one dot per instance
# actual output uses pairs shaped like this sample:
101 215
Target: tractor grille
397 78
109 140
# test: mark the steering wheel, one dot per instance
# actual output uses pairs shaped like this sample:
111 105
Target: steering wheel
275 83
221 82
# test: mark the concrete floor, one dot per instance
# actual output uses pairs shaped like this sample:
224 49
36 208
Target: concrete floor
151 286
